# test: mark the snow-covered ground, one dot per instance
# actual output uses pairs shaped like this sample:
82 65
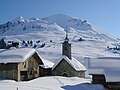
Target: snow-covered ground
51 83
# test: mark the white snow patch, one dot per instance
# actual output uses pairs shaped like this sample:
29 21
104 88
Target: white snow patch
51 83
47 64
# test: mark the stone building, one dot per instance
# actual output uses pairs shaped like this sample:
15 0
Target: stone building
67 65
69 68
20 64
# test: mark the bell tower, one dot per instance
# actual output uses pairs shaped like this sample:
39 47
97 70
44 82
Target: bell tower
66 47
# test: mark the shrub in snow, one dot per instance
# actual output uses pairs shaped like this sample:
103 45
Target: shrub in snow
19 22
42 45
7 24
10 42
50 40
38 41
28 42
15 44
26 45
24 28
115 50
34 46
107 47
31 43
80 39
23 42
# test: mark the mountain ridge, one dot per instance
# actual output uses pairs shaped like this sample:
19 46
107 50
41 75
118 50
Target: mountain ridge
61 20
51 30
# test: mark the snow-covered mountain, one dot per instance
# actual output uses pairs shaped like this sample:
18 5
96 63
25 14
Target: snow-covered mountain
87 40
82 27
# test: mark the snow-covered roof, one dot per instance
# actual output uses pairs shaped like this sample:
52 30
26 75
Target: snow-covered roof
47 64
15 55
108 66
73 62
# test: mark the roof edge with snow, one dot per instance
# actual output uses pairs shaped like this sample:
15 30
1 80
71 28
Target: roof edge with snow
73 62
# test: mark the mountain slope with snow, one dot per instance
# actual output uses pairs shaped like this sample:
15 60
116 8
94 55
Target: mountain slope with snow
48 34
82 27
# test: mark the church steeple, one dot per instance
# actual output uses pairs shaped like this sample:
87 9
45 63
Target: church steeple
66 39
66 47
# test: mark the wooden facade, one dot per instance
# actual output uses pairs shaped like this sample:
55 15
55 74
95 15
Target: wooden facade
65 69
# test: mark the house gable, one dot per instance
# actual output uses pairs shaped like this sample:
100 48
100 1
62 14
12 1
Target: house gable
64 68
38 58
68 67
29 69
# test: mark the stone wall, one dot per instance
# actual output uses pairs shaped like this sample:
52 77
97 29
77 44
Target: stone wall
65 69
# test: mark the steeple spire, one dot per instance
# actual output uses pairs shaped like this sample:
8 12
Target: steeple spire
66 39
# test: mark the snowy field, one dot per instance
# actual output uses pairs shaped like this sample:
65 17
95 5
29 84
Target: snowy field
51 83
